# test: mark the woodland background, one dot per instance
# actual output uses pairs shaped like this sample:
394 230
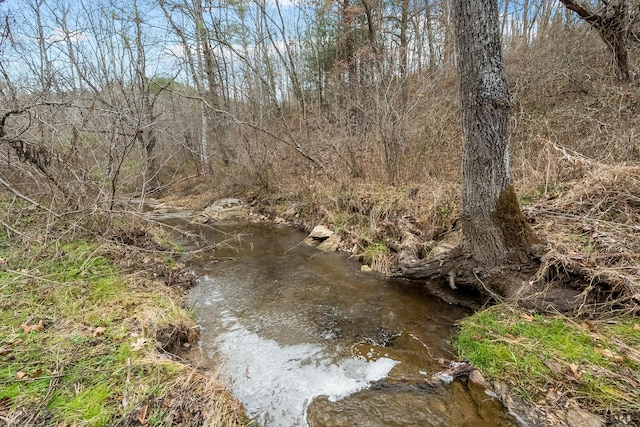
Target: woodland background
344 113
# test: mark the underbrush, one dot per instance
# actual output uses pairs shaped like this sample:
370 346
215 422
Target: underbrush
556 361
591 230
84 343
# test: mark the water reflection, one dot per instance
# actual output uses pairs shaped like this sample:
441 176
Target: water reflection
284 324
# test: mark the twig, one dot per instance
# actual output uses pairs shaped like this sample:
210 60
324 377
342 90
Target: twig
49 377
25 198
295 246
493 294
23 235
31 276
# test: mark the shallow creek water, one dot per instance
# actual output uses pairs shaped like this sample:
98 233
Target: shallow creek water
303 337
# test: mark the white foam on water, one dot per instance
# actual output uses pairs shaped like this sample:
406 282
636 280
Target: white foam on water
276 383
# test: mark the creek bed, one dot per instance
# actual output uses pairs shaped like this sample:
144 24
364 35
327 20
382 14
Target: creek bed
303 337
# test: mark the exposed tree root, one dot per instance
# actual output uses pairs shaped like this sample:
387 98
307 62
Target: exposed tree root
589 266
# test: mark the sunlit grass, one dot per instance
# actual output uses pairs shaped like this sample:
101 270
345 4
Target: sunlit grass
78 337
545 356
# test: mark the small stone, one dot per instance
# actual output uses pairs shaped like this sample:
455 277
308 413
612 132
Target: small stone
320 232
311 241
477 377
225 209
331 243
200 219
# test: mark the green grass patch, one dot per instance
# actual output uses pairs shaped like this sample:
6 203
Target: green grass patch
374 251
543 357
377 255
78 337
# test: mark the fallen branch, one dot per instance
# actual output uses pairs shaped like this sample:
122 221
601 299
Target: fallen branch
25 198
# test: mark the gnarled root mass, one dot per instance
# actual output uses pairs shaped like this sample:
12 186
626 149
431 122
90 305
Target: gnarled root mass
591 261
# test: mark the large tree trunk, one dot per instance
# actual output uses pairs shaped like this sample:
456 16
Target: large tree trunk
495 234
485 113
494 230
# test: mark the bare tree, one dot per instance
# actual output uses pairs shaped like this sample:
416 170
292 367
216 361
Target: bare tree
190 60
613 21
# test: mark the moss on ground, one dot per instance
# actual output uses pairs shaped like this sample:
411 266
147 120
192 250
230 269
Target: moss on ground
81 344
555 359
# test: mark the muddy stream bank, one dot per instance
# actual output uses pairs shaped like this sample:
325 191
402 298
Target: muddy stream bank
303 337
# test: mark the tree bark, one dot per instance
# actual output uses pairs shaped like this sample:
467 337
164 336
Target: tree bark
147 137
495 233
430 36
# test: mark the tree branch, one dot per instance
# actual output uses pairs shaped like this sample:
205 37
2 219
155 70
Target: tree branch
584 11
25 198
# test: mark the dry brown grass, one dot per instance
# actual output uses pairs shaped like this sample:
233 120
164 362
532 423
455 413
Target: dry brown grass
573 140
592 230
194 399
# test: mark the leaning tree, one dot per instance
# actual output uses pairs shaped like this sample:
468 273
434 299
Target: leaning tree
615 21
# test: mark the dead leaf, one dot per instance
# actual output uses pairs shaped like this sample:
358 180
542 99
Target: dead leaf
552 395
142 414
20 375
611 355
139 344
575 371
554 367
99 331
527 317
512 337
589 326
636 327
29 328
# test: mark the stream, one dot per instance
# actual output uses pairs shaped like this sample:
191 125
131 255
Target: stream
304 338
